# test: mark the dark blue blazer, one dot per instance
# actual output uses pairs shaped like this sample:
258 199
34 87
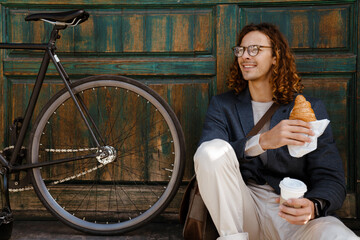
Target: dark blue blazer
230 117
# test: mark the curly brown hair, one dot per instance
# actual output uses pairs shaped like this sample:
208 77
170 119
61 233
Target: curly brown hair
284 78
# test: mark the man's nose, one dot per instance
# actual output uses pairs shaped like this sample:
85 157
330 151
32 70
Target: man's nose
246 54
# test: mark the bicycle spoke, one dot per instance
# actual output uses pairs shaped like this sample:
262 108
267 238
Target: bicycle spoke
135 180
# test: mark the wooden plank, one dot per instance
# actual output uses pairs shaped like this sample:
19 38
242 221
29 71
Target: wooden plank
102 32
307 28
108 33
189 102
20 92
134 34
167 2
179 66
28 201
182 33
157 36
226 28
26 206
17 20
113 31
300 28
326 63
203 32
348 210
333 91
126 66
333 28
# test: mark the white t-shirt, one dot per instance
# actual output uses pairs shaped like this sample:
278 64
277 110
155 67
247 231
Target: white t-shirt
252 147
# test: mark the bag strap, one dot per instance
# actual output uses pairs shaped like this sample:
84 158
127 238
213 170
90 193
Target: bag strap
266 117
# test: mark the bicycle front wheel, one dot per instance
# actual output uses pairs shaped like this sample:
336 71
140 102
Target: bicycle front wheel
115 194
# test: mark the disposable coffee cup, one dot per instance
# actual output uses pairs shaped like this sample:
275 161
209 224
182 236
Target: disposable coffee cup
291 188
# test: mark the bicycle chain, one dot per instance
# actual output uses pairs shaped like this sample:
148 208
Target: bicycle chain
61 180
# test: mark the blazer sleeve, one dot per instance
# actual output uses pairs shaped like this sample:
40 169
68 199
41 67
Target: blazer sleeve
215 124
324 167
221 123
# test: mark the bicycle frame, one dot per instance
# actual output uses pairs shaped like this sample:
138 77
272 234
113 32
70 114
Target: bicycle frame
48 55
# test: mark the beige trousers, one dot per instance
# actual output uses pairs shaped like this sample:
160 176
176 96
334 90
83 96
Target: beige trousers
242 211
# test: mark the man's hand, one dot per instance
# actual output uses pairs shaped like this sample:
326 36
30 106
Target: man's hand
300 215
287 132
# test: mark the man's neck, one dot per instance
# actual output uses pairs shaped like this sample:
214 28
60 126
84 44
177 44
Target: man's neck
260 92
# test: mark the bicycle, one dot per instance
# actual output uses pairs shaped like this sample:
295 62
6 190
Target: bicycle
105 154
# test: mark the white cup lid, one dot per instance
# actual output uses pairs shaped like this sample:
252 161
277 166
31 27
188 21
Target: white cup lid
293 185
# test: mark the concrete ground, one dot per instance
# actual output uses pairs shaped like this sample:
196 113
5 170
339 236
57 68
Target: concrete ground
46 230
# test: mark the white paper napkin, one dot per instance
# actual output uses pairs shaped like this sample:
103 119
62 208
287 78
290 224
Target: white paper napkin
318 127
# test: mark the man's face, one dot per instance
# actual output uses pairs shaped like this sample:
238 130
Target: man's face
257 68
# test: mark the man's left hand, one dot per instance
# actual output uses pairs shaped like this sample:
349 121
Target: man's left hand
297 211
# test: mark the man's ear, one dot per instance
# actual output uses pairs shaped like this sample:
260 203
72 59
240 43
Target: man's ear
274 58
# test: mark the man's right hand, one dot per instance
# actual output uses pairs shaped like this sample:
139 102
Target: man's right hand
287 132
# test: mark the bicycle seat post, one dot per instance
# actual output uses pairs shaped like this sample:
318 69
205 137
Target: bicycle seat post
54 36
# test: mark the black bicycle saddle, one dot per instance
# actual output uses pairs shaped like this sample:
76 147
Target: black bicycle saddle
74 16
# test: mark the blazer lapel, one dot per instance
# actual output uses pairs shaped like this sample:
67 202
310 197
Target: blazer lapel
244 111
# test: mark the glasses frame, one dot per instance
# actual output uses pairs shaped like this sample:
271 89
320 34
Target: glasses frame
259 47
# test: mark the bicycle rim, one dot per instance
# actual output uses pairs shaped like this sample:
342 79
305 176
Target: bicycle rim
112 196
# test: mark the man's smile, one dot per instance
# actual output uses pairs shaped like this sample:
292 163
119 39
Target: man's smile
248 65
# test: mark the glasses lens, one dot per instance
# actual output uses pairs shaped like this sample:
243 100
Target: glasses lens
253 50
238 51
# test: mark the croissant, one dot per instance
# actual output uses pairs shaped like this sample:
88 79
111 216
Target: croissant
302 110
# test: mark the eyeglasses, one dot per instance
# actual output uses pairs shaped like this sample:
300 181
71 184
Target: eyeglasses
252 50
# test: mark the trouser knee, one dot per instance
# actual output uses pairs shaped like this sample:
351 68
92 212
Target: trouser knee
214 155
328 228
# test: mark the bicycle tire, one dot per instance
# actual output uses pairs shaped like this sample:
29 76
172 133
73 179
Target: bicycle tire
127 192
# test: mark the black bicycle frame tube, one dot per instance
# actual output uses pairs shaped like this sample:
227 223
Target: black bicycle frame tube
81 103
4 186
36 90
29 46
41 75
49 48
3 161
30 108
42 164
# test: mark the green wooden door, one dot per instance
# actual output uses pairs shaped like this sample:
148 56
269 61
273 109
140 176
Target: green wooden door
182 49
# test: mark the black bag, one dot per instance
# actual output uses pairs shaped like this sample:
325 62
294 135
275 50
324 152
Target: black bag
194 215
197 221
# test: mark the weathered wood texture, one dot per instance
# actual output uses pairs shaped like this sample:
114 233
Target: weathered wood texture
183 50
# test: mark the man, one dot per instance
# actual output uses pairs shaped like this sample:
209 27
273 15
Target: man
239 177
